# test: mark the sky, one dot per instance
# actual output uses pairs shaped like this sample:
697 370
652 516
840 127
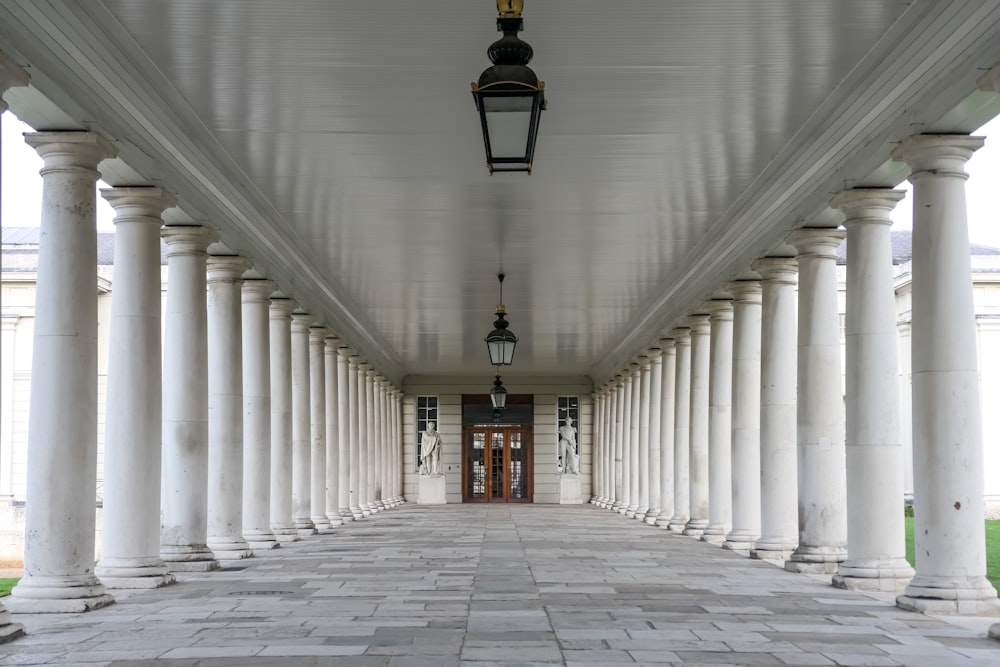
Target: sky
21 186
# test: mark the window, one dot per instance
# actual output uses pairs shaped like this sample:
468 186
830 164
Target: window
427 411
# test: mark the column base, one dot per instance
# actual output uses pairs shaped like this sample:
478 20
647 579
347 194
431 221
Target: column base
807 559
345 515
715 535
57 594
630 511
263 546
740 541
651 517
380 505
285 533
335 520
676 524
890 575
663 521
229 548
972 596
695 527
260 540
640 513
322 524
357 513
304 526
188 558
131 573
774 549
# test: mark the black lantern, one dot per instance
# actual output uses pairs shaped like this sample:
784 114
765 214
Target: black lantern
501 340
498 395
509 96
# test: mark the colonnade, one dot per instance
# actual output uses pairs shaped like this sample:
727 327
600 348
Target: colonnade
246 424
762 450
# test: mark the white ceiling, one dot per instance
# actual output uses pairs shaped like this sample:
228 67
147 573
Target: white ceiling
337 145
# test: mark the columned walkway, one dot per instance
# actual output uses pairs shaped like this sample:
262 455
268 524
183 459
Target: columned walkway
499 585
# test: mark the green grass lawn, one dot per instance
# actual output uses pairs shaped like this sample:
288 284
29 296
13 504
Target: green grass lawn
6 584
992 549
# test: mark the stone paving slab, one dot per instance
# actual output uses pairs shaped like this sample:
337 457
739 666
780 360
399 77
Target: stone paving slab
499 586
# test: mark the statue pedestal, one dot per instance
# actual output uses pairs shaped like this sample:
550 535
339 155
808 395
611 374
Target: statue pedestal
431 490
569 489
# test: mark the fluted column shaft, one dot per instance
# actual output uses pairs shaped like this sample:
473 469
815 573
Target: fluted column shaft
331 378
59 516
281 419
355 399
317 429
257 415
130 557
822 467
225 408
344 435
778 439
746 415
947 428
668 378
698 446
720 422
682 431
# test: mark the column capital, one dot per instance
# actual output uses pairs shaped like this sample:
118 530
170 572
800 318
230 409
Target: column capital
281 307
681 336
816 242
353 360
370 373
745 291
226 268
257 290
939 154
619 380
720 310
344 351
301 322
138 204
871 205
317 334
654 354
332 342
644 362
363 365
784 270
667 345
187 240
698 324
633 369
70 150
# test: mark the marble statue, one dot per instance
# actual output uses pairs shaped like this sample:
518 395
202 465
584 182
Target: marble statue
430 451
567 448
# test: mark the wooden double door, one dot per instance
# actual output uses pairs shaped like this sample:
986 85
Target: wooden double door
497 462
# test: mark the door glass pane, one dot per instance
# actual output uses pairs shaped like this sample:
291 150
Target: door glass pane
518 467
477 464
496 466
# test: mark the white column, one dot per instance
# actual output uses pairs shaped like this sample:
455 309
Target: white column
597 440
615 451
184 513
344 436
257 415
356 399
225 409
655 404
363 457
397 444
387 456
628 444
698 446
317 429
62 431
378 455
332 391
778 437
10 76
635 415
642 467
875 527
720 422
301 432
130 557
370 440
668 378
281 419
746 416
608 449
682 431
947 428
821 464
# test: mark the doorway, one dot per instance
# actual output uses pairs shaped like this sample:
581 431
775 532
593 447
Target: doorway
497 456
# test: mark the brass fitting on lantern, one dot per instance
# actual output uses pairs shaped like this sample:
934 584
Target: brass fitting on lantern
510 9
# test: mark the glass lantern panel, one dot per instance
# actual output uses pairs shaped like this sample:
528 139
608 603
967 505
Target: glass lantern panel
509 132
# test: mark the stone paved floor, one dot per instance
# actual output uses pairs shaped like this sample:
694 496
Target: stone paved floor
490 586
